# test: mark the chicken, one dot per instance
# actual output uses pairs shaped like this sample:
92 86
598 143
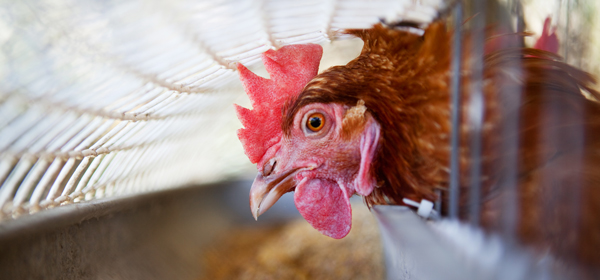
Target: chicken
380 127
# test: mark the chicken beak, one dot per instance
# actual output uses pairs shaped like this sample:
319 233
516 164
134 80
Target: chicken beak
266 190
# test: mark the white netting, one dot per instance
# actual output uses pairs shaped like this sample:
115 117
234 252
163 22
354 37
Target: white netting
109 98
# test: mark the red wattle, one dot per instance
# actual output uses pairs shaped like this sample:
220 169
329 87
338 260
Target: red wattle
325 206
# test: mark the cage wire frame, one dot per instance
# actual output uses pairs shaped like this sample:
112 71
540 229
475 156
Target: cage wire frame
476 112
87 115
109 99
481 255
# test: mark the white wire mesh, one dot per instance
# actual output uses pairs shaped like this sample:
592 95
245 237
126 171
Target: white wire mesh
111 98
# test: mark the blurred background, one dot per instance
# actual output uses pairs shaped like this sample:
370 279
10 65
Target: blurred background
118 150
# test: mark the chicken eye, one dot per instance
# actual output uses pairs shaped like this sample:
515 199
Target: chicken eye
315 122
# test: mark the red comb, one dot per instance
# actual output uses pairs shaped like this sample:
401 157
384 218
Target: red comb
548 41
290 68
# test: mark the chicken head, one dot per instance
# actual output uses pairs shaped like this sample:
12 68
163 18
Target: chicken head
324 155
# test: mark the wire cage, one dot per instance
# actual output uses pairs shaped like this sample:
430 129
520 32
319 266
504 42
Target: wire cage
479 177
105 105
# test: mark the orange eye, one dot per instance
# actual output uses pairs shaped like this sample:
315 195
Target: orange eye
315 122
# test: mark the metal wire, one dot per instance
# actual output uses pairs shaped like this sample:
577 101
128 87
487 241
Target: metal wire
476 110
456 106
510 146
